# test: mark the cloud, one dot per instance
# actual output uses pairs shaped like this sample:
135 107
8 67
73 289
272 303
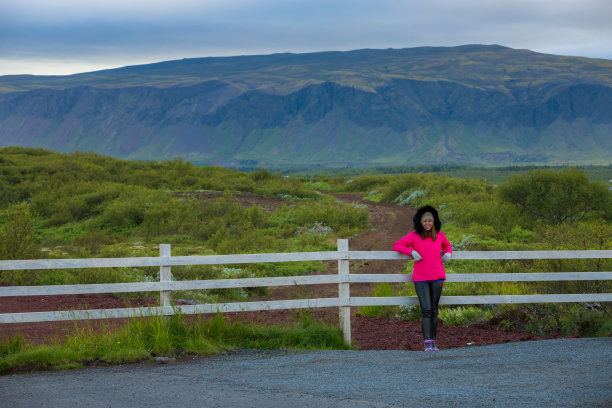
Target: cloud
64 11
138 31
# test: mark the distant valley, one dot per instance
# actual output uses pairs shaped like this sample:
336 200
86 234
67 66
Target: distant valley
476 105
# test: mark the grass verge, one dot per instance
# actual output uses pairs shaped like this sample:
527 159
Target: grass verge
144 338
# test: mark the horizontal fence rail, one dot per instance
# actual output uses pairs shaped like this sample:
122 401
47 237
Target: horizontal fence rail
289 281
284 257
344 301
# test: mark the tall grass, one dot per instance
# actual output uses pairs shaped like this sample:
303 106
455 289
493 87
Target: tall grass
144 338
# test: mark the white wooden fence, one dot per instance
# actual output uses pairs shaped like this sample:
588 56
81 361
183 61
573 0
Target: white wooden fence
343 278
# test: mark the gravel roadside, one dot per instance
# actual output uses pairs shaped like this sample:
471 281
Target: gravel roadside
548 373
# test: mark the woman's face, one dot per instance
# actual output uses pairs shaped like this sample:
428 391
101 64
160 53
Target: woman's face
427 223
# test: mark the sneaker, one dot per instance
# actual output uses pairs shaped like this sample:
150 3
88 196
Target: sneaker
429 345
433 346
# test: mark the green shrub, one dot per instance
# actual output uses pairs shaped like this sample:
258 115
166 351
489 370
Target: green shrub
550 319
409 196
17 233
463 316
388 312
101 275
557 197
365 183
52 277
288 188
11 346
470 211
122 215
92 240
260 175
341 218
399 185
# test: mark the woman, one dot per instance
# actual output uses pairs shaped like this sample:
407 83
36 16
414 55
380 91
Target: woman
426 244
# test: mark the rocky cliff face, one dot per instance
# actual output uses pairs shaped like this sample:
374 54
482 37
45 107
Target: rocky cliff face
402 121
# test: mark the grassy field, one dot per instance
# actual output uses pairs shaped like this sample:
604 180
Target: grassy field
84 205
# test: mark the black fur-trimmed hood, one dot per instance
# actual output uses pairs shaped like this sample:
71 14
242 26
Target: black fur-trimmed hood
417 219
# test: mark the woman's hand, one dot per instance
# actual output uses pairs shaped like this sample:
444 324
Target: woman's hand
416 256
446 257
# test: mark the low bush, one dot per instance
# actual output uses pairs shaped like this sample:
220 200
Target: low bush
550 319
463 316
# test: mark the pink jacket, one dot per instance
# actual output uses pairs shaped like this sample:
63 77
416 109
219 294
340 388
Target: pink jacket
430 267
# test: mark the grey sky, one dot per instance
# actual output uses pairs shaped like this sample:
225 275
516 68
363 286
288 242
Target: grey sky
69 36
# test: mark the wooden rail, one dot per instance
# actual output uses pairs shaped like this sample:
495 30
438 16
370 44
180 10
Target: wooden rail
344 278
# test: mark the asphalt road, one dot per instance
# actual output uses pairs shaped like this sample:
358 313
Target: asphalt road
551 373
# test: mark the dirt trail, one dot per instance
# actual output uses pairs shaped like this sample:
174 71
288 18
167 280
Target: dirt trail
388 224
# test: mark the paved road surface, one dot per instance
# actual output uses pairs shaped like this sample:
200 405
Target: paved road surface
551 373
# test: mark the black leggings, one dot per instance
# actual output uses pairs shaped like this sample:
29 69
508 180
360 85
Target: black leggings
429 296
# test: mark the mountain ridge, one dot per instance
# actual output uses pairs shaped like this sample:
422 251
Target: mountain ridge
477 105
417 63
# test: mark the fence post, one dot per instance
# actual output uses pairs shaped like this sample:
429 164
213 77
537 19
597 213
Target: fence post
165 275
344 291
